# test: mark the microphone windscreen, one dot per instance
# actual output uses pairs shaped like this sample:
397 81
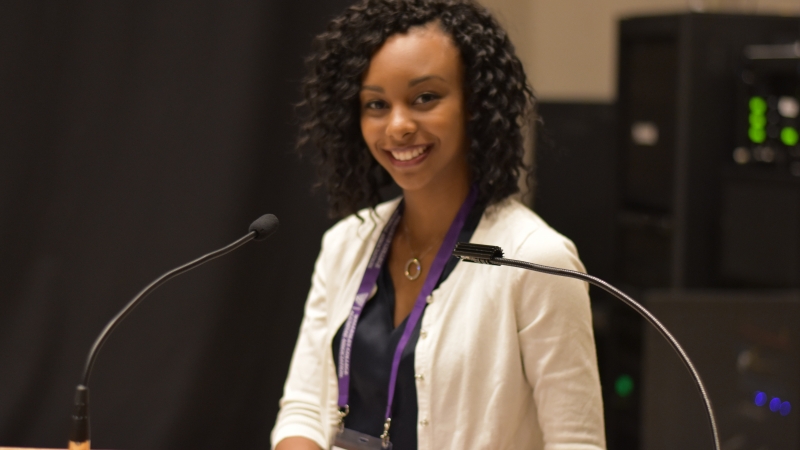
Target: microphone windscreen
264 226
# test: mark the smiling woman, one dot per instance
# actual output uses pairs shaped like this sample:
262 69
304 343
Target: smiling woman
401 345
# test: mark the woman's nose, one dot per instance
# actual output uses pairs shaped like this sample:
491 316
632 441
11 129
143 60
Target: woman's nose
401 124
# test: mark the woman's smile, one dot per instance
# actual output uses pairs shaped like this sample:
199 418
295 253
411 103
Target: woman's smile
409 155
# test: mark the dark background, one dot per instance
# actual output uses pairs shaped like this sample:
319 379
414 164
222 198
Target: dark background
135 136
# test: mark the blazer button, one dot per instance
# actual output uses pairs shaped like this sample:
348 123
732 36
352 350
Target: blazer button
429 298
423 334
423 422
419 376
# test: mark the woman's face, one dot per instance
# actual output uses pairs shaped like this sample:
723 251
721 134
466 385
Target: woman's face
412 110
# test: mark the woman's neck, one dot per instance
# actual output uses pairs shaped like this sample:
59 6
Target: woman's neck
429 213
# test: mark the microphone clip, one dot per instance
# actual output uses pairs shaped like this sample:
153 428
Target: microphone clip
478 253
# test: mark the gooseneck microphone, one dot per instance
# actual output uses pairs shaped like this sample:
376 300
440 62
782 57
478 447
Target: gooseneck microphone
492 255
79 438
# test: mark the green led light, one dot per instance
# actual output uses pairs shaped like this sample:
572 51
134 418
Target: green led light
789 136
624 385
757 135
758 120
758 105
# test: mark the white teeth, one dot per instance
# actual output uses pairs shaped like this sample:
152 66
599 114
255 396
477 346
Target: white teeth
408 154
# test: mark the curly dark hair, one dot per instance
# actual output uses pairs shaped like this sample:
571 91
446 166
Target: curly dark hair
498 97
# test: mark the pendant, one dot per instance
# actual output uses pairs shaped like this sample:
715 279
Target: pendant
415 275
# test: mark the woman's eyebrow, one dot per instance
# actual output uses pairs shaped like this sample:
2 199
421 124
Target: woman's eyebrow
411 83
419 80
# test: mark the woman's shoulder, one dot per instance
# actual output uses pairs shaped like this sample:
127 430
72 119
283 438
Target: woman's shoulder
524 235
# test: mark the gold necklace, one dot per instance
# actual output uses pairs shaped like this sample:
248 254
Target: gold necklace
414 262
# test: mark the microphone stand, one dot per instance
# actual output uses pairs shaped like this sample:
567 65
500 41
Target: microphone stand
492 255
79 437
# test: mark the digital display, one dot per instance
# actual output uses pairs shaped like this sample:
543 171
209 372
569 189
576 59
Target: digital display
769 117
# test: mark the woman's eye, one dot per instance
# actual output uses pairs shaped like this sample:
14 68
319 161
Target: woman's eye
375 104
426 98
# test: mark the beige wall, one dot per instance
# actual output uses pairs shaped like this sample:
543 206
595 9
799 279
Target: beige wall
568 47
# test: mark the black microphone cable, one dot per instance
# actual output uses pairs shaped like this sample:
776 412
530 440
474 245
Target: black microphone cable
79 438
492 255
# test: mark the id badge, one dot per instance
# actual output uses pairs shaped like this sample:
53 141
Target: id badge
353 440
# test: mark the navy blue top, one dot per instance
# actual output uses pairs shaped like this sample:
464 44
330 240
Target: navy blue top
374 343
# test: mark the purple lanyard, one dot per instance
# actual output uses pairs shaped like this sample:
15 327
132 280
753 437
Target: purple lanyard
368 282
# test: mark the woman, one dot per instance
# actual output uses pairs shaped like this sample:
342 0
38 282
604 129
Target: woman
400 344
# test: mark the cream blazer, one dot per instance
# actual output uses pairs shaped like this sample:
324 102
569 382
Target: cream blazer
505 357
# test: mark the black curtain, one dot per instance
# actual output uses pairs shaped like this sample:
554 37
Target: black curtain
135 136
